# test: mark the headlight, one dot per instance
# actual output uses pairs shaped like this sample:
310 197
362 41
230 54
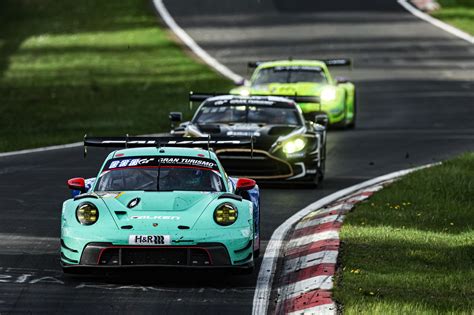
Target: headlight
87 213
328 94
244 92
225 214
293 146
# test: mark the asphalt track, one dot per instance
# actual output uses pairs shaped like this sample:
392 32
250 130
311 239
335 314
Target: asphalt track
416 105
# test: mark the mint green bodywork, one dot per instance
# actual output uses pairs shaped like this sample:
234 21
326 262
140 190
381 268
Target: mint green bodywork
341 110
168 209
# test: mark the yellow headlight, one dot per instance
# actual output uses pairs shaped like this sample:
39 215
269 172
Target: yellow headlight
87 213
244 92
225 214
328 94
293 146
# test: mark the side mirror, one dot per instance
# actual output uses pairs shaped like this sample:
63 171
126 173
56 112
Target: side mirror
176 117
245 184
340 80
321 119
77 183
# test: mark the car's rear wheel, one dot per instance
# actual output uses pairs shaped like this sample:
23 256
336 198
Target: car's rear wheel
256 253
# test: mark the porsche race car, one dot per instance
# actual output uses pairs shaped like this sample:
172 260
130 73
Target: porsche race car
337 96
286 147
158 202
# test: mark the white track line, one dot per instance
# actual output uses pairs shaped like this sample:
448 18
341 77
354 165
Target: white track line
53 147
272 253
61 146
446 27
188 41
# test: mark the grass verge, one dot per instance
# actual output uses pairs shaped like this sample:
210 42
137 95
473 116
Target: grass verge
459 13
97 66
410 248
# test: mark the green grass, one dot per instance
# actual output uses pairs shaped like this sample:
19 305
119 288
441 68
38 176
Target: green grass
97 66
410 248
459 13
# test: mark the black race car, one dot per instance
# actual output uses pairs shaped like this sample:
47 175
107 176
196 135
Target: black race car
285 146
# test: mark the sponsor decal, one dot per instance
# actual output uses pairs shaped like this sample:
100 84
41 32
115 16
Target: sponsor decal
244 101
130 162
149 239
171 142
238 133
187 161
155 217
297 68
114 164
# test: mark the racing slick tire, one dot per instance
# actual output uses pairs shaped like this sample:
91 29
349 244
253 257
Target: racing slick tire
256 253
244 271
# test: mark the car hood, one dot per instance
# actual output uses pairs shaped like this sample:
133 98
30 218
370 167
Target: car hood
167 209
302 89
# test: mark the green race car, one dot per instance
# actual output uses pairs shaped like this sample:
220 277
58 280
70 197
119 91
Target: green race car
337 96
160 202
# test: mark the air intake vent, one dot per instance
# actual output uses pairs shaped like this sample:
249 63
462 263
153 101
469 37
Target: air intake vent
210 128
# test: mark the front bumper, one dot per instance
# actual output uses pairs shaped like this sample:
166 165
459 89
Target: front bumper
229 247
266 167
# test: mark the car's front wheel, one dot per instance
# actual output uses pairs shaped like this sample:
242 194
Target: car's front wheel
244 270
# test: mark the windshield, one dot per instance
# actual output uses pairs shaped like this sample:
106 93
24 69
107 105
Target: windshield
159 175
228 114
289 75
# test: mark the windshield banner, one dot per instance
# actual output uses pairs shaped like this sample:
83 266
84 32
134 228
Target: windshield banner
164 161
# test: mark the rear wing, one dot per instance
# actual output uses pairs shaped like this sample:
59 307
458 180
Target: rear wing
336 62
342 62
201 97
206 143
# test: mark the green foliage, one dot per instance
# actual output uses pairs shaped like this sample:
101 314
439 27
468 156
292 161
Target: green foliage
98 67
410 248
459 13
